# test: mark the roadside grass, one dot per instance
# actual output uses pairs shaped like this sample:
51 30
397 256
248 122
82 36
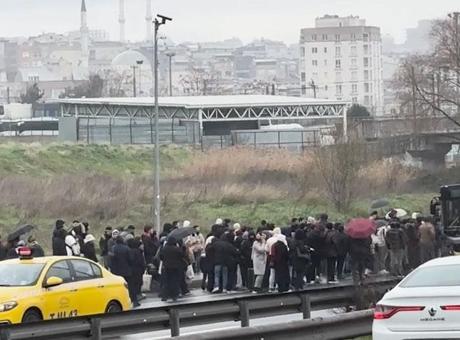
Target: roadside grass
112 185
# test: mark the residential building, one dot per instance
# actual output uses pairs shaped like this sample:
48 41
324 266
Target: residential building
341 58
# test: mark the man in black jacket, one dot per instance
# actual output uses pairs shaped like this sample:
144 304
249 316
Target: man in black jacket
359 251
342 245
121 265
58 241
138 267
331 252
225 257
316 241
396 243
59 246
104 246
37 250
173 258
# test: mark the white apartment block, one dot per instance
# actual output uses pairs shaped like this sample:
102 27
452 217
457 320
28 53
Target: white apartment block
341 58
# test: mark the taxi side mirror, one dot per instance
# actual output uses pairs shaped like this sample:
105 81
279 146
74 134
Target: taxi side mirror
53 281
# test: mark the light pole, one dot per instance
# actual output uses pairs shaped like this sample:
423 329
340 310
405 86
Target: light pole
159 20
170 55
139 64
134 80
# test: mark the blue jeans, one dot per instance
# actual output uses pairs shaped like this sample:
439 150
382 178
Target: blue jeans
219 270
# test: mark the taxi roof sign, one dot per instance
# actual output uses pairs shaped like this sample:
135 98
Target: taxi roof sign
25 253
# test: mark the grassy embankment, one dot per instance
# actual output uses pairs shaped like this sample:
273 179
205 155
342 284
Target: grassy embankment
113 186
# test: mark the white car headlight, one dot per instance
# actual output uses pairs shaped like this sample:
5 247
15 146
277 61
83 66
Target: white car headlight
6 306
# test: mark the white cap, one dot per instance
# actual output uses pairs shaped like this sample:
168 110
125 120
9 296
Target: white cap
237 226
219 221
186 224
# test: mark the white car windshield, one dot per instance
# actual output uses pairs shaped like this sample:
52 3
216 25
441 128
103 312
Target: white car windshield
435 276
17 275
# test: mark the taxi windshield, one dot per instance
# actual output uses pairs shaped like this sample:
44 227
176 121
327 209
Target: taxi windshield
19 275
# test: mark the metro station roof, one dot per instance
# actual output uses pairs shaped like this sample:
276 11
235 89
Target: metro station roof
208 108
199 102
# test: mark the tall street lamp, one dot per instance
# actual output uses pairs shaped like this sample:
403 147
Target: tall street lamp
170 55
139 64
159 20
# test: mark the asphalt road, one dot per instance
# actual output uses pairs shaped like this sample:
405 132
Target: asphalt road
198 295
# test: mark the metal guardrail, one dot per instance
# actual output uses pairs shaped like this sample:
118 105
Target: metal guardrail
343 326
175 316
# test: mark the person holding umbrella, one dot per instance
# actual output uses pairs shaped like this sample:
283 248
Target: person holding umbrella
360 230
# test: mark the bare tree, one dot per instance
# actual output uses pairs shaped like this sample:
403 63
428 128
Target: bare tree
430 84
200 81
339 167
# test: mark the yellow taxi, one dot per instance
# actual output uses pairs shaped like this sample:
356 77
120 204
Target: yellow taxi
46 288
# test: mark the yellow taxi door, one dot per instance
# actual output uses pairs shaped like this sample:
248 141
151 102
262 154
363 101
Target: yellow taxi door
90 287
59 302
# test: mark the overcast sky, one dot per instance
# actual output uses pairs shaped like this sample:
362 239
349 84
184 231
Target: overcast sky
210 20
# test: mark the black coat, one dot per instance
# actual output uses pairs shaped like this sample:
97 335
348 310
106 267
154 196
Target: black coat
150 248
225 253
246 252
104 245
173 257
138 261
37 251
316 240
12 254
360 248
342 243
330 249
59 246
121 261
89 251
3 252
301 255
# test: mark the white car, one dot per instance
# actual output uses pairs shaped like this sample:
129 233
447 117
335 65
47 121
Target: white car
425 305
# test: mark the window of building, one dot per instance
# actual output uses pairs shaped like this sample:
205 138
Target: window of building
326 88
366 87
366 100
354 99
314 62
366 62
354 88
353 62
353 37
314 50
366 36
303 76
338 63
337 51
302 52
325 50
338 90
353 50
337 37
314 37
366 49
366 75
324 37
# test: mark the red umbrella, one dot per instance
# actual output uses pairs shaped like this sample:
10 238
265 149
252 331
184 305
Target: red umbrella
360 228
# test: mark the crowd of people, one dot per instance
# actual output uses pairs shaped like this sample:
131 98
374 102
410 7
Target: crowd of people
235 257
